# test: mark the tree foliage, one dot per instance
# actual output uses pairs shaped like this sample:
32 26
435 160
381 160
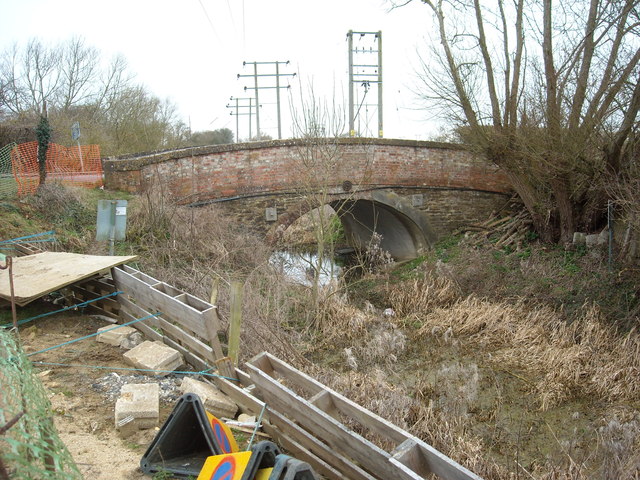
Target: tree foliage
43 132
76 84
211 137
548 91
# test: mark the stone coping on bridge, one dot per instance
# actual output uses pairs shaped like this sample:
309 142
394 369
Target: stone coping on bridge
137 161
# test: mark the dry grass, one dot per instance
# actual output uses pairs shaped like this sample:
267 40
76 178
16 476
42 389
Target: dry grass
444 430
419 296
190 247
562 360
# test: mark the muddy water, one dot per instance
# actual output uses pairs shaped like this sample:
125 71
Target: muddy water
301 267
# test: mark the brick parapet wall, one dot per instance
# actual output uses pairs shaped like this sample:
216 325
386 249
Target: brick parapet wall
204 173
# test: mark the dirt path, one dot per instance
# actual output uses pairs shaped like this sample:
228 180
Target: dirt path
83 399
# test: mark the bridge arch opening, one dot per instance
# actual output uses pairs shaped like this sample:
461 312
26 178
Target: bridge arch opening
405 231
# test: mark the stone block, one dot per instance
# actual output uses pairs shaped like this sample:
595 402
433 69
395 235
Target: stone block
114 336
155 356
137 408
132 341
591 240
579 238
214 401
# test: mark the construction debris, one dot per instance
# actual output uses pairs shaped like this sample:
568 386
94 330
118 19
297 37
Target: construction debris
507 231
154 357
38 275
213 399
138 408
119 337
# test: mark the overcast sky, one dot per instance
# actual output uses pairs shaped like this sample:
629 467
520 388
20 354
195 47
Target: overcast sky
191 51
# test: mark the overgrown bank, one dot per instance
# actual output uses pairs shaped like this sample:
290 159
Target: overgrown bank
511 362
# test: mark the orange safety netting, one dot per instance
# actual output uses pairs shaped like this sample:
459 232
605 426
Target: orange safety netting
79 166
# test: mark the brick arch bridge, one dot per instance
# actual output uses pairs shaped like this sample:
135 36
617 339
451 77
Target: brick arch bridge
410 192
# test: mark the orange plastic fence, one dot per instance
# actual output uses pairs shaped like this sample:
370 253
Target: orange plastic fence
80 166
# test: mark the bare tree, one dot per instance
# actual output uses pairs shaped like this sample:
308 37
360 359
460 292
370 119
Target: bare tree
554 103
72 82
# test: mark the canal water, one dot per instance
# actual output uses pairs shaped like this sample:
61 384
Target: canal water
301 267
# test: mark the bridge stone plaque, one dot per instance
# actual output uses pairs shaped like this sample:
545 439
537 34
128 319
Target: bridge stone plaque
417 200
271 214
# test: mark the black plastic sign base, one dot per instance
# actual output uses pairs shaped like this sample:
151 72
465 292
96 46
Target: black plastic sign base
183 443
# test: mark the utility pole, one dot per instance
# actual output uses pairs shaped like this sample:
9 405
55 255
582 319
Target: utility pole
367 74
257 88
237 113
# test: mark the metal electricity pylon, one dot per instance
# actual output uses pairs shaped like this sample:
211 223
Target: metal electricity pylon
255 76
365 75
237 113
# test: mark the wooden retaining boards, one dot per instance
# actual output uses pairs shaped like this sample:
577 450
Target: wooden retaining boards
411 459
285 432
96 288
186 320
151 329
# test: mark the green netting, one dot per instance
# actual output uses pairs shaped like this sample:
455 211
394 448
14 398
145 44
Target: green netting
30 449
8 185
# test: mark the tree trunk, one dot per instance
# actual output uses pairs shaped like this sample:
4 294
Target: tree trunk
562 195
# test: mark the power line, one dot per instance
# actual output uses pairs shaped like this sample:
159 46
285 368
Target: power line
206 14
277 87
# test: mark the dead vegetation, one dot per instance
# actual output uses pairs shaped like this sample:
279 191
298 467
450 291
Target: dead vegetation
483 356
558 357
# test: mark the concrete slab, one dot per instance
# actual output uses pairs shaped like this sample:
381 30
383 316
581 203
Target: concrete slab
214 401
116 336
137 408
155 356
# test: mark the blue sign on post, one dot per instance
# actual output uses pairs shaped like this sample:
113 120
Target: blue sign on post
75 131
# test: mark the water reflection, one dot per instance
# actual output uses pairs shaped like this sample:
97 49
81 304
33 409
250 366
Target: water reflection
301 267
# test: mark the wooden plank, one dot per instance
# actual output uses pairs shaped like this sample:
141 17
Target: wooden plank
368 455
423 459
305 440
367 419
151 299
152 334
301 453
176 333
37 275
236 320
109 303
104 308
324 402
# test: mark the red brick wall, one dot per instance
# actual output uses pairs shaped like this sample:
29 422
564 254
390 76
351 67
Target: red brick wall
204 173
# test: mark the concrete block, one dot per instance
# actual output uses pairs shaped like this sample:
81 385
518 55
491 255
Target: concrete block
603 237
215 402
591 240
115 336
137 408
579 238
155 356
132 341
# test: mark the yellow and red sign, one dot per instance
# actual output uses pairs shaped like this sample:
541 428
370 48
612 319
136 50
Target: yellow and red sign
225 467
223 435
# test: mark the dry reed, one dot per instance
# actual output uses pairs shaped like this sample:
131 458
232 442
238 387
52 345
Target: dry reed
409 299
585 357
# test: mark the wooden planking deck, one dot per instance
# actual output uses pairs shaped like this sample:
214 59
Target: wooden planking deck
411 459
42 273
